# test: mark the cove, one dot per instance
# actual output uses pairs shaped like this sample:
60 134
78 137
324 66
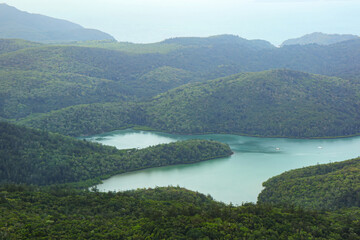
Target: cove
236 179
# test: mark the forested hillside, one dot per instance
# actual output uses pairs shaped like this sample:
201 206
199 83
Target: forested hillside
271 103
325 186
25 92
35 78
89 119
38 157
160 213
278 103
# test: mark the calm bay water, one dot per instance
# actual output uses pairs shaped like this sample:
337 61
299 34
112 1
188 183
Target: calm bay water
234 179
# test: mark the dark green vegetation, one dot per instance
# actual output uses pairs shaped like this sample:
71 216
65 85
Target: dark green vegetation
320 38
34 27
160 213
325 186
58 211
272 103
42 158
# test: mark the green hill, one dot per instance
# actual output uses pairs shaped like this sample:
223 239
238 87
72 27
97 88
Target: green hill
278 103
25 92
88 119
45 78
271 103
325 186
92 62
219 40
96 75
38 157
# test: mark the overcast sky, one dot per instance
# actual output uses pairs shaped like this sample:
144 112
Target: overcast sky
156 20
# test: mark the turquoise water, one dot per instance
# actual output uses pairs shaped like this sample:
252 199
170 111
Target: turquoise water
234 179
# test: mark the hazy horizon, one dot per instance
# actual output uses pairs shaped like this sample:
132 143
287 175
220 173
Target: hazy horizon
145 21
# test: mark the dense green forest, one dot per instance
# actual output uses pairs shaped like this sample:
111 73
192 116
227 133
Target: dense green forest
279 103
89 119
271 103
325 186
160 213
25 92
38 157
34 78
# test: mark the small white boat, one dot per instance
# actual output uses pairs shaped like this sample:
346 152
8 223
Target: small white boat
320 147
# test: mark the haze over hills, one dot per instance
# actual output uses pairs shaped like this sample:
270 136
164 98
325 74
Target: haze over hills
224 55
319 38
35 27
32 75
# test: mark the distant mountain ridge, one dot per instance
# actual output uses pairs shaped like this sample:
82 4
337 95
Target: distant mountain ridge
227 39
319 38
35 27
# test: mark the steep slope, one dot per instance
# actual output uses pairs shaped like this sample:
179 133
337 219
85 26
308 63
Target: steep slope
34 27
319 38
272 103
38 157
325 186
